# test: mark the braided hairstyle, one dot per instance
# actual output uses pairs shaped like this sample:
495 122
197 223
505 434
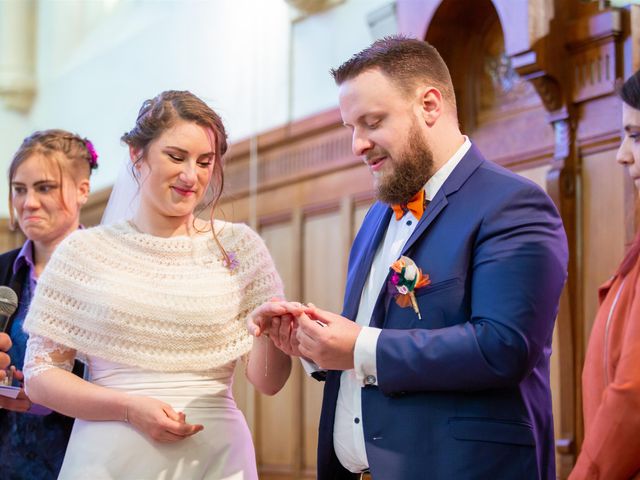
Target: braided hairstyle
70 152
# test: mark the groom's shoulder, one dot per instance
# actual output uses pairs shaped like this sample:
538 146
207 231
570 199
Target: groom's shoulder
502 179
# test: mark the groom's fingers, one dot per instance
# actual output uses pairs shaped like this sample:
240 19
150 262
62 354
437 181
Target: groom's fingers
322 315
311 326
308 331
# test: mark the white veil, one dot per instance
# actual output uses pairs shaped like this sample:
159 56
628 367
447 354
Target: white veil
125 196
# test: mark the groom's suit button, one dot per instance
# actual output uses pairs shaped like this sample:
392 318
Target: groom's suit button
370 380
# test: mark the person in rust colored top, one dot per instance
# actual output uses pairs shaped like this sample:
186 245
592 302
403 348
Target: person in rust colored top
611 375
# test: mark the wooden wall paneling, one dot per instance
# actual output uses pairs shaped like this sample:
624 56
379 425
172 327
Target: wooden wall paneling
562 186
332 185
9 239
347 217
91 213
562 358
604 227
537 175
278 417
362 204
323 277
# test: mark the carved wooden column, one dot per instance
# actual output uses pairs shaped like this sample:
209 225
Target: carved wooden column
575 61
635 36
536 48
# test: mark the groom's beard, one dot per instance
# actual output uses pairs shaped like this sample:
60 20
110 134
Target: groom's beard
411 170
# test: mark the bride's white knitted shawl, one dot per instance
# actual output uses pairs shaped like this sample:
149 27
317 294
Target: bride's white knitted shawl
167 304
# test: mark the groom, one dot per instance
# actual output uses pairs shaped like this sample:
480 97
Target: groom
439 367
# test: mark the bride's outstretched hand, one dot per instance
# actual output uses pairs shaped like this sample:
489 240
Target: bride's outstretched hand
277 319
158 420
261 320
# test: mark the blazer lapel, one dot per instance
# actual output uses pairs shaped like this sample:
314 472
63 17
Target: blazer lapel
468 164
373 230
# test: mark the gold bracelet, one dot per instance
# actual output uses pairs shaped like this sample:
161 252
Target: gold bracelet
266 357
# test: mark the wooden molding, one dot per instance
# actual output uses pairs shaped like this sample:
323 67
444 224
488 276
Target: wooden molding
593 45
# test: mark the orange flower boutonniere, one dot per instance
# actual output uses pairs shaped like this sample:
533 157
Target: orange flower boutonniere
405 279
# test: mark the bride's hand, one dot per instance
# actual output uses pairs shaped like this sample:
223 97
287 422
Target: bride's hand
158 420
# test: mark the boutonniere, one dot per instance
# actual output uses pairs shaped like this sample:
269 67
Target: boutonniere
405 280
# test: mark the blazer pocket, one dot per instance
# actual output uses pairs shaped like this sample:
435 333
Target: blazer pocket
492 430
436 287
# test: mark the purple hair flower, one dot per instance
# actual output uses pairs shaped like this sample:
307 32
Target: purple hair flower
93 162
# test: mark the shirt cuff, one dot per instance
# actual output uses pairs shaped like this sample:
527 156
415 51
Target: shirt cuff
309 366
364 356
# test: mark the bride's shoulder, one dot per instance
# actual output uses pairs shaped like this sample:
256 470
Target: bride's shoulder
235 234
106 230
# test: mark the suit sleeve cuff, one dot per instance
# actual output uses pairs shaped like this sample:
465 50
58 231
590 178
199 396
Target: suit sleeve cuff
364 356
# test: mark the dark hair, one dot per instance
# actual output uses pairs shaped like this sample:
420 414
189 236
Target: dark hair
406 61
629 92
161 113
71 153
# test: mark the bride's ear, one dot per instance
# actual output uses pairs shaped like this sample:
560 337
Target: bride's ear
134 155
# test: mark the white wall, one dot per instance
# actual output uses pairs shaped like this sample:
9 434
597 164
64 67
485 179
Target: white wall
97 60
324 41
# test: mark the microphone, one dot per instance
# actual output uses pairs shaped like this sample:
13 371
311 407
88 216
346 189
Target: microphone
8 305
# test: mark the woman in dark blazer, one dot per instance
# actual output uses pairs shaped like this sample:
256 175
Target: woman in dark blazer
49 182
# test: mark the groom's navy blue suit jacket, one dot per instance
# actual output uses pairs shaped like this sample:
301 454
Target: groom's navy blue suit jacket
463 393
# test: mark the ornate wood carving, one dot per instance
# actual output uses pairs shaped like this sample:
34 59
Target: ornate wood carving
592 43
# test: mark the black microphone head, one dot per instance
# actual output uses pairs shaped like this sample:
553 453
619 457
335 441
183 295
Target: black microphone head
8 301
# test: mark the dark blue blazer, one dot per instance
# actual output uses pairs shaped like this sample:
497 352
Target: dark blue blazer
463 393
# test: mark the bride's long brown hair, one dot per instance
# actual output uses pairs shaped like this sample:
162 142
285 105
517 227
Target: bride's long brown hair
159 114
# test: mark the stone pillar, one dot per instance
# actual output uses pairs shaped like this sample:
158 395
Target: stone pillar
17 53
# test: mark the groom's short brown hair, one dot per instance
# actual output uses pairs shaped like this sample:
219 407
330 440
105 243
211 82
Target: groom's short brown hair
406 61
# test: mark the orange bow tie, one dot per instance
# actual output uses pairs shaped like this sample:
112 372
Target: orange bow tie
416 206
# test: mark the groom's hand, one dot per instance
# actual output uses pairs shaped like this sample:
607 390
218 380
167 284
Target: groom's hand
327 338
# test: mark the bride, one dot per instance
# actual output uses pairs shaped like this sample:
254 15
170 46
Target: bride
155 305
